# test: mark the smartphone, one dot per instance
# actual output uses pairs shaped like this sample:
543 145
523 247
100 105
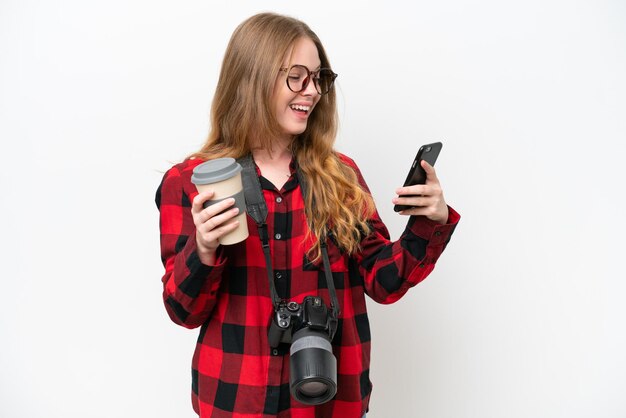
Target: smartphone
417 175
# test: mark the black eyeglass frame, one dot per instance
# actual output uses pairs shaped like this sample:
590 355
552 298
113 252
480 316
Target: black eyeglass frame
307 80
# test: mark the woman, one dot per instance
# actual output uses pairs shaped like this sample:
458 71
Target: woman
275 101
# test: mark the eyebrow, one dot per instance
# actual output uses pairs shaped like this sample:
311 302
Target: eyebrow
319 67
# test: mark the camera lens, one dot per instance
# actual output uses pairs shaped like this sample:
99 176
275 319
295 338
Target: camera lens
313 389
313 368
428 149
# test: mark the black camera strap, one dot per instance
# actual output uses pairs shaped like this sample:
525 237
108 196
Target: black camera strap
257 209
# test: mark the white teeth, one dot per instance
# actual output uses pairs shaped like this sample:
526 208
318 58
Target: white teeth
300 107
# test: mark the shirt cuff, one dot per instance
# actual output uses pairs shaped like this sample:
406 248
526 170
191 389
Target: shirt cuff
193 258
432 231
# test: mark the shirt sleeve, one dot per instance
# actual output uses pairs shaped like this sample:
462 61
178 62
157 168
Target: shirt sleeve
189 287
390 268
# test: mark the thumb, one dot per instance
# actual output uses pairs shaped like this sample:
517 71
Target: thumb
431 174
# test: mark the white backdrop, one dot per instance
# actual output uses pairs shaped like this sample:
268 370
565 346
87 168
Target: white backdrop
522 318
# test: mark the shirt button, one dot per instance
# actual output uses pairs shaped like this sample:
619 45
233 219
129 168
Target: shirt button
274 352
437 233
279 199
422 265
278 236
278 275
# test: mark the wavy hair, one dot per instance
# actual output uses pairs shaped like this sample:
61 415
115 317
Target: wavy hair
242 110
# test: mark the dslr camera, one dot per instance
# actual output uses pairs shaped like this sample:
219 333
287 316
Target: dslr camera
309 327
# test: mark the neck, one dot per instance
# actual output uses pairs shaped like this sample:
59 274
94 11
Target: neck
274 163
280 151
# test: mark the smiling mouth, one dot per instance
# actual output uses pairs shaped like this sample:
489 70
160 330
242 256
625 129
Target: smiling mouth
300 108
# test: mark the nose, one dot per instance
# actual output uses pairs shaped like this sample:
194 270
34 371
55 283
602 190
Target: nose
310 89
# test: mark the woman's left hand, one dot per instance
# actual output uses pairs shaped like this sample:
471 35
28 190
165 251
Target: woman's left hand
427 199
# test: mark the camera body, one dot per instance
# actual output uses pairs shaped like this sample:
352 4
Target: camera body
291 317
309 327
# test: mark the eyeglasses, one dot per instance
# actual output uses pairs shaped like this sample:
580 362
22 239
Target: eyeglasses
298 77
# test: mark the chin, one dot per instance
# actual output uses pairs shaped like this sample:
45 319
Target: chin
296 131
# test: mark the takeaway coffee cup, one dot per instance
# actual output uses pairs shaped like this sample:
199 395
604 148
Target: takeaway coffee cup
223 176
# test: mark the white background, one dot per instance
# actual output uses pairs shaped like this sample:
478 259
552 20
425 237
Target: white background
523 317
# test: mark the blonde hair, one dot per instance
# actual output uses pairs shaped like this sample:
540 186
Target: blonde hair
242 110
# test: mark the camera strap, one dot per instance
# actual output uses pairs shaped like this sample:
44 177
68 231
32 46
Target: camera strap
257 209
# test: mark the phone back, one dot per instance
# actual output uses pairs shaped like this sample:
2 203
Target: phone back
417 175
429 153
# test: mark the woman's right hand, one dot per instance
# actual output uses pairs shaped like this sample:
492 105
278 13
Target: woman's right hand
211 224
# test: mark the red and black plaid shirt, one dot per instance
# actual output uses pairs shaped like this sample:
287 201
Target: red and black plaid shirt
235 373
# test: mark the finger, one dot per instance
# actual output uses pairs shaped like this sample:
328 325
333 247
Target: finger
431 189
214 209
417 211
225 229
413 212
198 201
417 189
431 174
215 217
210 239
413 201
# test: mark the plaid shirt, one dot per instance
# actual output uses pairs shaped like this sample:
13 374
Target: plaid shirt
235 373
